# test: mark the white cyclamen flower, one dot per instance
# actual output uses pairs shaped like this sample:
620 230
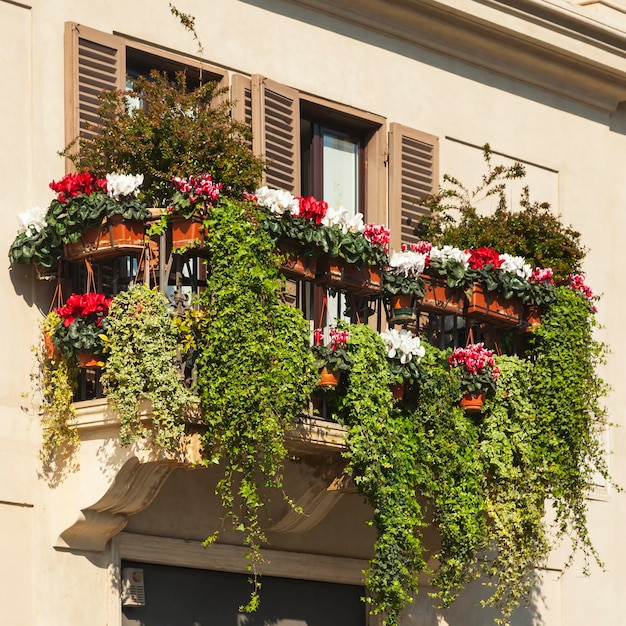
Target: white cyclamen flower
355 223
122 185
336 217
450 253
403 345
515 265
408 263
278 201
32 221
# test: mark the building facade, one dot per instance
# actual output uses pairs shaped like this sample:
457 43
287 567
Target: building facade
392 94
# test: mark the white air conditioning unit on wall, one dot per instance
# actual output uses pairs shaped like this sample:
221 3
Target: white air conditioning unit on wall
132 591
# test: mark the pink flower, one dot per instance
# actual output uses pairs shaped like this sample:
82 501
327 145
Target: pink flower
542 275
378 235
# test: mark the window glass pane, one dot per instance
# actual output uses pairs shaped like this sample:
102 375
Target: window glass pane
341 167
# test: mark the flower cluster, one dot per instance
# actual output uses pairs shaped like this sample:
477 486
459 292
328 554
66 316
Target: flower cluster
377 235
32 221
121 186
476 366
347 222
198 188
423 247
329 347
542 275
404 351
312 209
86 307
446 255
577 283
408 263
278 201
515 265
82 183
484 258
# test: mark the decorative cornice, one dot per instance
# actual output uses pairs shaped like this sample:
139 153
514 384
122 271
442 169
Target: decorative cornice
552 46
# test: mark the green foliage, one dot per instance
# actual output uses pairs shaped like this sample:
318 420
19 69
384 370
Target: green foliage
142 365
177 132
312 238
255 367
58 380
567 393
533 232
395 283
43 248
382 458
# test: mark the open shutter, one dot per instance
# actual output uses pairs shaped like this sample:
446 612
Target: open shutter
94 62
276 132
241 99
413 174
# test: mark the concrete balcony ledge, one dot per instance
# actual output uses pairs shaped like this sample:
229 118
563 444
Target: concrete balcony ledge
111 482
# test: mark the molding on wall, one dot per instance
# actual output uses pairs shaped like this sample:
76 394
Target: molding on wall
226 558
552 46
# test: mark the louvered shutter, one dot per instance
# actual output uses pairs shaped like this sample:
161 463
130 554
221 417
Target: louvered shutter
276 132
94 62
413 174
241 98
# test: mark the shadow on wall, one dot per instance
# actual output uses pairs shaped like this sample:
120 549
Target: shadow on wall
467 610
462 66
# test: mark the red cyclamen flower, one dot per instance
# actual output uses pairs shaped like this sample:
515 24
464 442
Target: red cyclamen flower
482 258
75 184
312 209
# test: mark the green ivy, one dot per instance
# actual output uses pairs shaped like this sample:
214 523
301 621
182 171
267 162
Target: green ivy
142 364
255 367
382 458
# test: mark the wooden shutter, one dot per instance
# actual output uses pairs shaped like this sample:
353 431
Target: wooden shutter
413 174
276 132
241 99
94 62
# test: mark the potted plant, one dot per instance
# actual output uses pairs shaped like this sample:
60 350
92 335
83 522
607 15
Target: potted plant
188 208
295 225
404 351
357 253
78 333
36 243
402 284
98 217
331 356
540 294
478 373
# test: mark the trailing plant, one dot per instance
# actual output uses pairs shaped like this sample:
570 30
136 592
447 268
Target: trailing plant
567 393
514 490
382 458
449 475
255 368
58 380
142 365
533 232
176 132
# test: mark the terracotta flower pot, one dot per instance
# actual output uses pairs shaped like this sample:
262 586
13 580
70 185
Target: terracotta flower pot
490 307
337 273
88 360
50 349
296 265
329 378
439 298
473 401
397 391
402 309
187 233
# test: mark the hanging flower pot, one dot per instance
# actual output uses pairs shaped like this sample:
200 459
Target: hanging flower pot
51 351
531 318
473 401
296 265
329 378
397 391
401 308
439 298
88 360
492 308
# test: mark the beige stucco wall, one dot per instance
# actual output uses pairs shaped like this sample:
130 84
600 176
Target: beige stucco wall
574 154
